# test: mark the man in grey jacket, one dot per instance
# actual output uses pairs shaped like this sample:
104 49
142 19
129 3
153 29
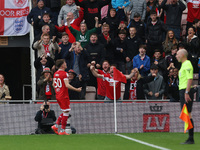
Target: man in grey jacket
69 7
155 89
137 6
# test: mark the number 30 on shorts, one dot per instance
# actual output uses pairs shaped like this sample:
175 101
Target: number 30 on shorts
57 83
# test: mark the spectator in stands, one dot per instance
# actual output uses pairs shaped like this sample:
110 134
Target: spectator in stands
95 50
154 33
46 46
133 43
173 83
196 25
199 71
39 10
101 85
192 13
54 6
191 44
112 21
4 90
174 13
45 20
92 9
106 39
45 30
41 63
75 23
119 6
75 82
161 13
45 85
137 6
70 6
123 26
96 53
134 87
155 89
120 50
169 42
82 36
171 60
64 47
151 5
142 61
45 118
78 59
109 82
139 25
159 62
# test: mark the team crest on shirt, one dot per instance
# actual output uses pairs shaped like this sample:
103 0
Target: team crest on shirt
19 3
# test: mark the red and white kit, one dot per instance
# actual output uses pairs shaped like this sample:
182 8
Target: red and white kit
61 90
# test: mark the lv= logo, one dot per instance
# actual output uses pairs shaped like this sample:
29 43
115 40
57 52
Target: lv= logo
157 121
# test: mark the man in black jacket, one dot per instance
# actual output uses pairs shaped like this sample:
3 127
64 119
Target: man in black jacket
133 43
45 118
112 21
174 13
154 33
106 39
139 25
96 53
92 9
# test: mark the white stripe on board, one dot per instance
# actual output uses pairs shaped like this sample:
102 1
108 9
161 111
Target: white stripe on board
141 142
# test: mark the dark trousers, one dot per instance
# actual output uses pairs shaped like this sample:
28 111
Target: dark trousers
121 15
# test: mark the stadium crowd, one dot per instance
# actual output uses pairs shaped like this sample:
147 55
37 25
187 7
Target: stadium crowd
138 37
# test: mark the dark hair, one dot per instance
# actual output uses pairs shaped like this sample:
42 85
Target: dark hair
192 28
180 45
123 31
196 21
153 12
157 50
143 46
64 34
174 47
112 9
46 14
59 63
133 27
106 61
94 34
113 65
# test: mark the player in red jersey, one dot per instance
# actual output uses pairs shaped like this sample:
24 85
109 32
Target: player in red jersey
110 83
61 85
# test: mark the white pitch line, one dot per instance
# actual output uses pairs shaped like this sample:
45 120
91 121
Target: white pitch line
141 142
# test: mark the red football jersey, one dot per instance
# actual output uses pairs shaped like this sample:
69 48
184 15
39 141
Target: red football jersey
59 84
132 92
110 87
193 10
101 88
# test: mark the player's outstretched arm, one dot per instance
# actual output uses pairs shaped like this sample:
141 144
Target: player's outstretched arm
92 68
71 87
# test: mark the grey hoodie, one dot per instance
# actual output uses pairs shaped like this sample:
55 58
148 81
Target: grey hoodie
64 10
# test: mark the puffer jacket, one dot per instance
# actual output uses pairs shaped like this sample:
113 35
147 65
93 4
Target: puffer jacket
154 33
138 6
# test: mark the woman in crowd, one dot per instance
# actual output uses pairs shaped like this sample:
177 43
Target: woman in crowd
4 90
134 86
169 42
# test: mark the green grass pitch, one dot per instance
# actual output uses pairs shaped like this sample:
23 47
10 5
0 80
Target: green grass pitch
97 142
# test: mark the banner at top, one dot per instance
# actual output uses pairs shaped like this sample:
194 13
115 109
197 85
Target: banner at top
13 17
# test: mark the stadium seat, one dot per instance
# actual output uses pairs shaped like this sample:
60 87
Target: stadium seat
90 93
195 79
